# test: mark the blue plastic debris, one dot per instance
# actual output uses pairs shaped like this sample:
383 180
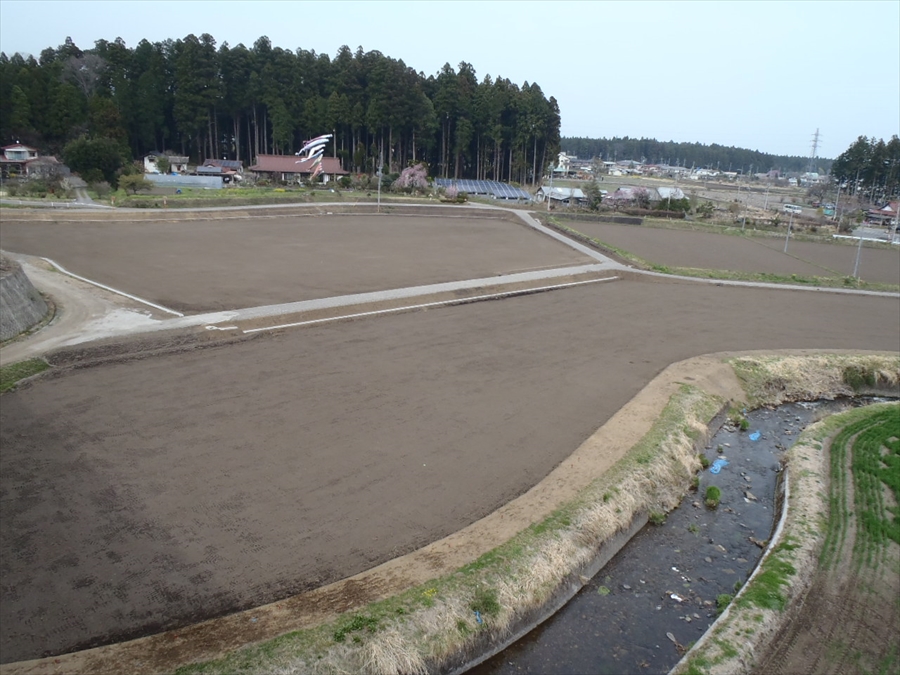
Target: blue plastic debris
717 465
754 436
478 617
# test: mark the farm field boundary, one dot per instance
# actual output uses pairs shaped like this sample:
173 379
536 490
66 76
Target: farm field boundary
439 595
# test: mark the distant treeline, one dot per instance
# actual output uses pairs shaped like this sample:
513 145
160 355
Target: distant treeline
715 156
194 98
870 165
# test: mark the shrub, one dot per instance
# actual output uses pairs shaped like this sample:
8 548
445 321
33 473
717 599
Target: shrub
713 496
102 188
722 601
706 209
485 602
657 517
135 183
674 205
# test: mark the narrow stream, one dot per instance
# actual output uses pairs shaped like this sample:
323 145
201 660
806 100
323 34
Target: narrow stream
667 579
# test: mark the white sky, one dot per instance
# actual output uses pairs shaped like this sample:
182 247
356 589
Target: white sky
759 75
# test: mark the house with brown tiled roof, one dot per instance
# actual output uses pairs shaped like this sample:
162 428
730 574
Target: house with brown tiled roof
292 169
886 215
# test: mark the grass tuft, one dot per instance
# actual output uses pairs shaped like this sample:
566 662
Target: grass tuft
16 372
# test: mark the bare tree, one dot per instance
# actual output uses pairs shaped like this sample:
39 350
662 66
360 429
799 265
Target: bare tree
85 71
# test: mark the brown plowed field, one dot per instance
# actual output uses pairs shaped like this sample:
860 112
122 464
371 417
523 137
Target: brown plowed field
154 492
704 250
211 265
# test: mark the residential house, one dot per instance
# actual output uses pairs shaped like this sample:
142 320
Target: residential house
177 163
886 215
15 159
560 196
229 170
234 165
45 167
292 169
628 194
663 193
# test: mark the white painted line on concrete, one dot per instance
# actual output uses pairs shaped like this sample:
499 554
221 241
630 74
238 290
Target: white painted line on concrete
221 328
454 301
112 290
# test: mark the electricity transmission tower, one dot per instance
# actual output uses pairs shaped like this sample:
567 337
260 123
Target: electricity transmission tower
811 167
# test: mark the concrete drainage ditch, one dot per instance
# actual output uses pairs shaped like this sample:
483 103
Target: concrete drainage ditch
645 608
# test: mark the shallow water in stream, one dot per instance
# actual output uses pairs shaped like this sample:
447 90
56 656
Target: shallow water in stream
668 577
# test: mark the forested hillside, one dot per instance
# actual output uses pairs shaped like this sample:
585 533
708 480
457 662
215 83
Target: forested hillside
204 101
688 154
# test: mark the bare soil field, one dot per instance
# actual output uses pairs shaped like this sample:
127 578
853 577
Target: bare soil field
152 492
210 265
680 248
848 623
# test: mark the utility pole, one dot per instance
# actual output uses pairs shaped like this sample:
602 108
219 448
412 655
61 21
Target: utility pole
550 194
378 175
837 200
788 237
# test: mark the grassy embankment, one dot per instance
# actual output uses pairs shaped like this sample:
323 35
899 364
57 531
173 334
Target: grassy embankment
253 196
16 372
816 523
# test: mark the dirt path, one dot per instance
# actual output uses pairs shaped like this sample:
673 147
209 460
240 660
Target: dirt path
83 311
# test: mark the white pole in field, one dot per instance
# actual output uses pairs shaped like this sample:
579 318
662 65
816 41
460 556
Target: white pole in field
787 238
378 175
550 193
856 265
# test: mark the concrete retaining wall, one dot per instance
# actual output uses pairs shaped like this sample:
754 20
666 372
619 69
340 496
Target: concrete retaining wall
21 306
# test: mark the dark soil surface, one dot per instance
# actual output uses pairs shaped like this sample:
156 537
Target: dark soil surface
221 264
154 492
684 248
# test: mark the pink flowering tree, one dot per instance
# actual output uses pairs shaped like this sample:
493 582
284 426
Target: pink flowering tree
412 179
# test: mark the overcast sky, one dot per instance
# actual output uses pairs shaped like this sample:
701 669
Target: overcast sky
759 75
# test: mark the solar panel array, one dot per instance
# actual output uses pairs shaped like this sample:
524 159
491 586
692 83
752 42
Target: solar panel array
489 188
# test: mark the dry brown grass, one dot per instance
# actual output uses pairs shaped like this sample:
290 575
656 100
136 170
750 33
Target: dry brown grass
742 633
779 379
